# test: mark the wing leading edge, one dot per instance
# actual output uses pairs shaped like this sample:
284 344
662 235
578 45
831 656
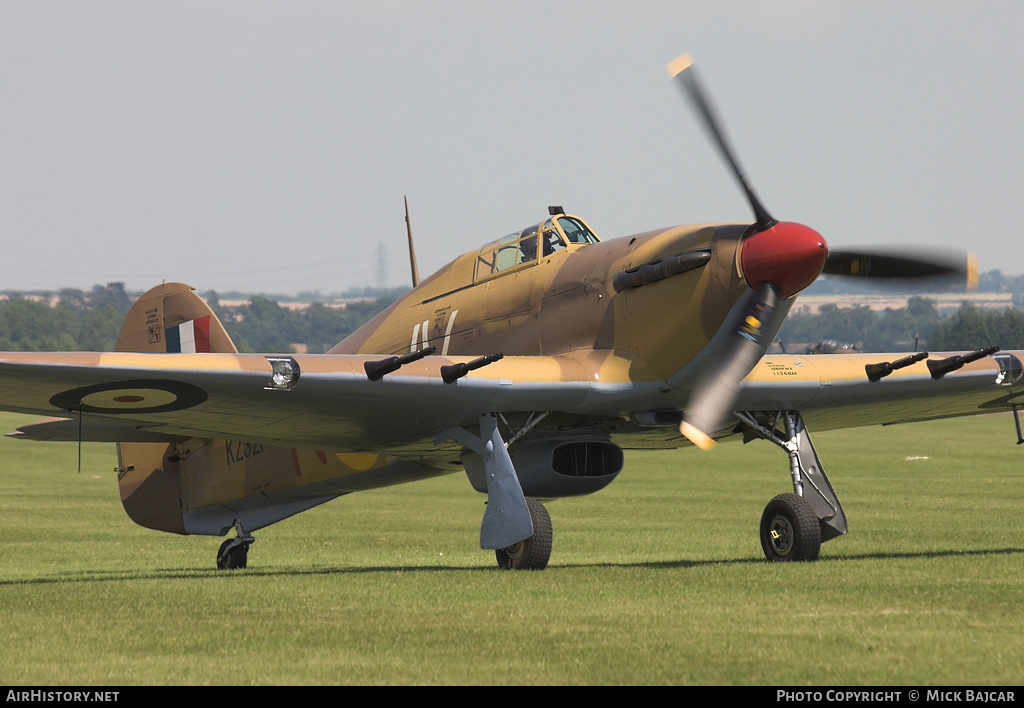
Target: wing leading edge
834 391
332 405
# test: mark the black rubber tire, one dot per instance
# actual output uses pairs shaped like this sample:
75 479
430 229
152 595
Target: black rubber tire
790 530
233 559
534 552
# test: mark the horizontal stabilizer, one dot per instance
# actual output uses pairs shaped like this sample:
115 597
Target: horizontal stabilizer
73 430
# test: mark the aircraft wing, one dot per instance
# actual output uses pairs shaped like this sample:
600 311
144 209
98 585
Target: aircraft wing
332 404
834 391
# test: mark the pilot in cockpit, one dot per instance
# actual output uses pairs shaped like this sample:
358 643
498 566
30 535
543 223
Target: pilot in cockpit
528 247
552 242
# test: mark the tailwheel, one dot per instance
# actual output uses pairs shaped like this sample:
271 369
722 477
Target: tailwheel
232 554
790 530
534 552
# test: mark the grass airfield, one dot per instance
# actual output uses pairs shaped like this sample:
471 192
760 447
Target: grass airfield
658 579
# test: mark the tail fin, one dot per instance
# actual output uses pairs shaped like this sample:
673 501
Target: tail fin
168 318
172 318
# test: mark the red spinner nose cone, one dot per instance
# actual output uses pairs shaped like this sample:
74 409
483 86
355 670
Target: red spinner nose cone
787 255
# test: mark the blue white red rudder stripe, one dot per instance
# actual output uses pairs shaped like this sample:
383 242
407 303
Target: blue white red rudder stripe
189 337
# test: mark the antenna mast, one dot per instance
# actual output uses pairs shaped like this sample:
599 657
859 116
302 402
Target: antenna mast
412 250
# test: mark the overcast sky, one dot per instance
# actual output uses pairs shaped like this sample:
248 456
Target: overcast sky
266 146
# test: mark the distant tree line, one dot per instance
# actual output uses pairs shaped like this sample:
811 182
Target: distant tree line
920 321
869 330
77 320
974 328
918 326
264 325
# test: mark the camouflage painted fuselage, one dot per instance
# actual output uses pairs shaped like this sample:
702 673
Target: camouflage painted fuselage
568 301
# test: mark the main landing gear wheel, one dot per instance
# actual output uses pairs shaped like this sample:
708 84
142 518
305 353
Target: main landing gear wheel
790 530
232 554
534 552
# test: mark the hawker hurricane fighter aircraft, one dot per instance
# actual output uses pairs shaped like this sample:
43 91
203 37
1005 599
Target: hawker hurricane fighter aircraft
530 362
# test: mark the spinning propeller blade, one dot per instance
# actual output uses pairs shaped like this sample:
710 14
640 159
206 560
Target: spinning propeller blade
778 260
683 72
712 401
895 265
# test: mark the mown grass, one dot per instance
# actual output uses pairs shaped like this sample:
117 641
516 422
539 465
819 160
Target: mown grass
658 579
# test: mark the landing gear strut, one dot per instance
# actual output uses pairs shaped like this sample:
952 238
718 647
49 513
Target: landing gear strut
234 553
518 529
794 526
